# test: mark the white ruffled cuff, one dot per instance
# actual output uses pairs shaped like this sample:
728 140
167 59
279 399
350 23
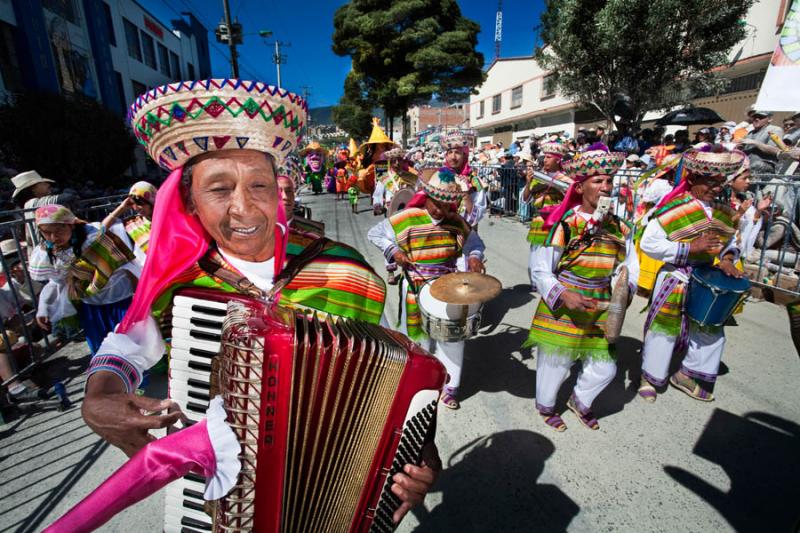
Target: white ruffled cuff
226 448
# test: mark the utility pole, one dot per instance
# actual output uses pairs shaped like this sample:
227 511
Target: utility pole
498 29
306 93
231 34
279 58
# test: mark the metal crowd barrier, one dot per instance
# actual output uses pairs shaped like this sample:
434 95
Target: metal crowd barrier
18 312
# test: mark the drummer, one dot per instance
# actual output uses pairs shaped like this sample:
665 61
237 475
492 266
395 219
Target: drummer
688 228
574 266
426 239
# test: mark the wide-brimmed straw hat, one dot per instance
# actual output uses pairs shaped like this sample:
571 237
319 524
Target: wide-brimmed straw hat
313 146
27 179
442 186
594 163
178 121
713 164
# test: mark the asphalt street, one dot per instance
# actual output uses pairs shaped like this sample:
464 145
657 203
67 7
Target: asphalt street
676 465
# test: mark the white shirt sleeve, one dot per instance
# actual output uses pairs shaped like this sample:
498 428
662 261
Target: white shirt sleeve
656 245
480 203
632 263
543 261
382 235
473 245
141 347
377 196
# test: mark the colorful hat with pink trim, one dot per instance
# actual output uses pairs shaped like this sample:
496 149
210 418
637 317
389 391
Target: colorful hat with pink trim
594 163
464 139
555 149
713 164
180 120
144 190
442 186
54 214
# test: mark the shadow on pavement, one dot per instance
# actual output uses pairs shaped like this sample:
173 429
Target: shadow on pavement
759 453
629 365
491 485
496 363
495 311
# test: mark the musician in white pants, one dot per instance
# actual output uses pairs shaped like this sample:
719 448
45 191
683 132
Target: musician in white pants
688 228
426 239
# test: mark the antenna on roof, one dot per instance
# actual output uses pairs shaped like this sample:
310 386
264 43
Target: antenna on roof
498 29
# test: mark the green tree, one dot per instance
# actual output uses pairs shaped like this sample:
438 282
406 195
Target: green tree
627 57
354 112
407 51
68 139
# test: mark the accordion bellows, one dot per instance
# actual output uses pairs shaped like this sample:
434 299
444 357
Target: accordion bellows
327 410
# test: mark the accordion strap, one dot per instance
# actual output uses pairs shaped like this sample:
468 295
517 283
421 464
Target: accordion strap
296 264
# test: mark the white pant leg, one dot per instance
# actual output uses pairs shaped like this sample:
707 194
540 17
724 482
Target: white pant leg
656 355
551 371
594 377
461 263
451 355
704 354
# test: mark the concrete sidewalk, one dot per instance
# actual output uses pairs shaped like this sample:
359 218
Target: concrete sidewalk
676 465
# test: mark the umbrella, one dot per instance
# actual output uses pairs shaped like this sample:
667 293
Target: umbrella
690 115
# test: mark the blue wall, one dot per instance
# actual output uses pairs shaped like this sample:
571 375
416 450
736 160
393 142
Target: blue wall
34 53
101 51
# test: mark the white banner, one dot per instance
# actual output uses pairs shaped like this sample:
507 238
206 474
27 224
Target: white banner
779 91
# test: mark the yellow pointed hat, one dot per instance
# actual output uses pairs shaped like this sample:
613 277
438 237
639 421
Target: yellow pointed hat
378 136
353 147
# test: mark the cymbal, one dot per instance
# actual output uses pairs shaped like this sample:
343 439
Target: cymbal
465 288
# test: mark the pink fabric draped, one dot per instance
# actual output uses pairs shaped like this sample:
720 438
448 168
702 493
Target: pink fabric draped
571 199
418 200
177 241
154 466
681 187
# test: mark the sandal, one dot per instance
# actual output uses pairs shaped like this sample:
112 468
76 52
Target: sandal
690 387
587 418
647 391
448 398
554 421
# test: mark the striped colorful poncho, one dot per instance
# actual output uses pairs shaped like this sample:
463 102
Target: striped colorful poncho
586 268
339 282
683 219
544 195
433 249
138 229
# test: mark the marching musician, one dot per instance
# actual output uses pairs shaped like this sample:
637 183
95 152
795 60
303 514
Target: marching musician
293 219
538 194
688 228
219 223
575 257
426 239
474 204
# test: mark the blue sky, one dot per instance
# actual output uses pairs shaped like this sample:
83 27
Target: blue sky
308 26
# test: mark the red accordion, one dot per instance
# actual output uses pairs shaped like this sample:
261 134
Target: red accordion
326 409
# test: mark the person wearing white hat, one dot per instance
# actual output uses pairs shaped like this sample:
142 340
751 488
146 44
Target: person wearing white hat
15 277
31 190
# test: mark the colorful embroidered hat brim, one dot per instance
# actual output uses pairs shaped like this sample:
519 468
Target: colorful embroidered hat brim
554 148
594 163
457 139
713 164
395 153
178 121
144 190
442 186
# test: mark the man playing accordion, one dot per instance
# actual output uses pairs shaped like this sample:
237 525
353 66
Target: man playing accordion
220 224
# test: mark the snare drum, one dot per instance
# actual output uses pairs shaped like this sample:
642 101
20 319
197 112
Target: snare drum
712 296
446 322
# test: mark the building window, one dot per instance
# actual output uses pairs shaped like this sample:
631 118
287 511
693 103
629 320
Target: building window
148 51
190 70
132 39
163 59
548 87
121 91
480 108
63 8
138 88
496 104
175 64
112 38
516 97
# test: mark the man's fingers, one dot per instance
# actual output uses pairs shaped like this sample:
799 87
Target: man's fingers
401 512
150 404
424 474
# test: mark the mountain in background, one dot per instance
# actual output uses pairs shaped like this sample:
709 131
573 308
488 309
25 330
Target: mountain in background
324 115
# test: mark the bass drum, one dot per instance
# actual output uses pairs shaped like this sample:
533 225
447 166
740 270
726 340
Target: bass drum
712 296
399 201
446 322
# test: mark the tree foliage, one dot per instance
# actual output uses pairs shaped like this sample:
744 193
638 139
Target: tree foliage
627 57
354 112
406 51
68 139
